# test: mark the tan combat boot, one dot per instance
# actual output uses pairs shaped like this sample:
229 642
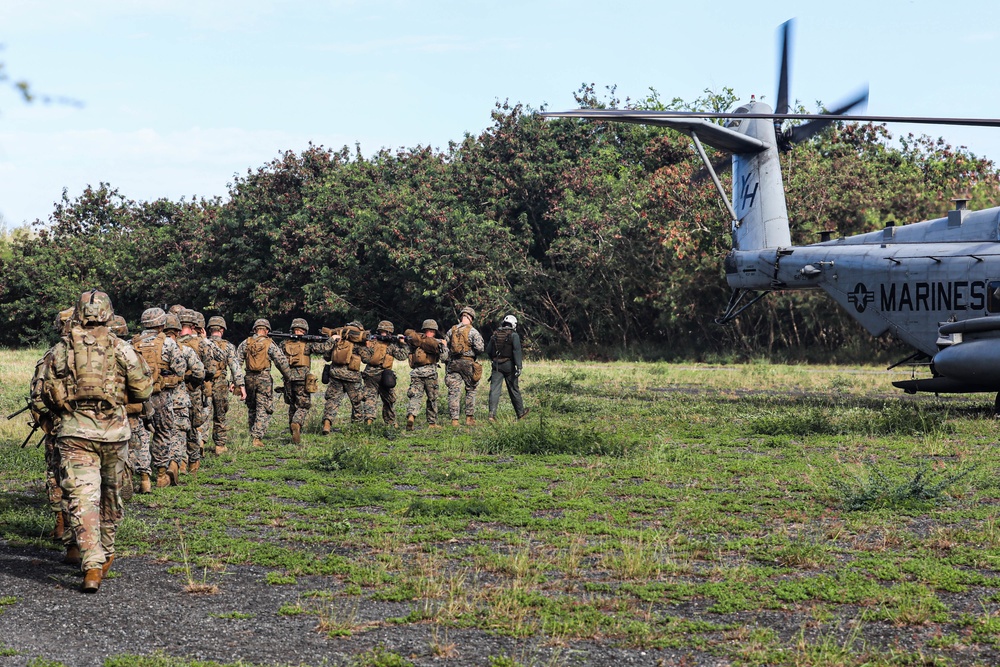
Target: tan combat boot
60 527
72 556
257 442
193 468
173 472
221 449
183 468
369 422
162 478
470 421
409 422
296 433
434 426
327 425
145 485
107 565
454 422
92 580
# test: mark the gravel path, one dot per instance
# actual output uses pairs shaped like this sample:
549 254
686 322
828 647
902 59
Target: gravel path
144 609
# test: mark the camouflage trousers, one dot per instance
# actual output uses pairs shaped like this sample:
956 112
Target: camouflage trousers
53 490
220 413
455 382
138 448
91 471
200 415
299 402
420 385
205 430
374 391
164 427
182 424
260 402
335 392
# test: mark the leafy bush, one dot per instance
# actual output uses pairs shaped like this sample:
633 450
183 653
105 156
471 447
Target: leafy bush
877 490
361 459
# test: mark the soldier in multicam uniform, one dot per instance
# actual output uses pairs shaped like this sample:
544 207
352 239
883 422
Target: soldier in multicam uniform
378 376
224 385
258 352
346 355
46 419
194 375
198 391
301 384
167 363
426 350
464 343
87 381
504 350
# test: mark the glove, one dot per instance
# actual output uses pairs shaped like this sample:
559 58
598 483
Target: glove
517 372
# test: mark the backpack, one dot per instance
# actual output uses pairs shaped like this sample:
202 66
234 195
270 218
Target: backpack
256 353
295 350
503 344
459 343
151 351
89 370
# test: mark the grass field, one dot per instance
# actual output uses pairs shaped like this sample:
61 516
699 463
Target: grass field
759 514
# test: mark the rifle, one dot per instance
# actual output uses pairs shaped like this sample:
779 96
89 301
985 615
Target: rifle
34 429
305 337
24 409
387 338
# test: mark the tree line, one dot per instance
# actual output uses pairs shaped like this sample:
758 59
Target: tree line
593 234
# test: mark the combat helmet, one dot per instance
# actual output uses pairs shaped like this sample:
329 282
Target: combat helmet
356 325
300 323
217 321
510 321
172 323
153 318
188 317
94 307
118 326
199 320
386 326
429 324
63 318
467 311
176 309
261 323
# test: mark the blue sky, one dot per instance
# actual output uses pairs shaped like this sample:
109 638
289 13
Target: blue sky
178 97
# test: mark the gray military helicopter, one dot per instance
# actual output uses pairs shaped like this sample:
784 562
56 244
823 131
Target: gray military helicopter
935 285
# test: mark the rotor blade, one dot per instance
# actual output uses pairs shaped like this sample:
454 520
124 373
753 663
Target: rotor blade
802 132
782 104
721 166
659 117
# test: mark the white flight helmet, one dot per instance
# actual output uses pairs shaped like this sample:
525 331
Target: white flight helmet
511 320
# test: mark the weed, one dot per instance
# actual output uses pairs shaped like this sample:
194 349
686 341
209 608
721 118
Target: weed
360 459
380 657
236 615
878 491
541 437
468 507
279 579
193 586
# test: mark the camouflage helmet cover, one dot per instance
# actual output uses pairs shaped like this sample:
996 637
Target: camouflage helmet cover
188 317
300 323
118 326
217 321
385 325
176 309
356 324
429 324
199 320
261 323
94 307
467 311
172 323
153 317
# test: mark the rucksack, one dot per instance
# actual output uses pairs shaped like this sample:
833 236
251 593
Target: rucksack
503 344
256 353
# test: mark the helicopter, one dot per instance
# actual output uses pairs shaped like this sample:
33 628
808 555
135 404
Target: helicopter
934 285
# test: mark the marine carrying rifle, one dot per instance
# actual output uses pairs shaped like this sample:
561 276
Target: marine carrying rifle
305 337
387 338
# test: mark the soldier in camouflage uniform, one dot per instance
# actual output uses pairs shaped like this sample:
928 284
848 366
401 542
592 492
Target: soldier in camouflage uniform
218 361
300 385
137 467
87 381
198 392
462 370
257 353
348 351
378 377
167 363
426 350
194 376
46 419
224 384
